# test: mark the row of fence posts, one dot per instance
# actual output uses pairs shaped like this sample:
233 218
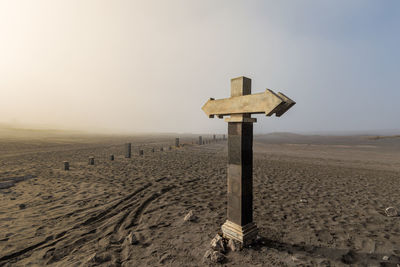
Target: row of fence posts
128 150
208 141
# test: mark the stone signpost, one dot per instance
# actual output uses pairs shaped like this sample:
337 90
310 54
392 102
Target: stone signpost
239 224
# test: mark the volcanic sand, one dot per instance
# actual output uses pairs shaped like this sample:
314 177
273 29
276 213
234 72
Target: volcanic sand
315 203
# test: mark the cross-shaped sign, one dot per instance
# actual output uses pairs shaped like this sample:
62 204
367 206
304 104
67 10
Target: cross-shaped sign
239 224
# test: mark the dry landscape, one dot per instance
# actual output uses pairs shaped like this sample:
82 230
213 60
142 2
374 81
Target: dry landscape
318 201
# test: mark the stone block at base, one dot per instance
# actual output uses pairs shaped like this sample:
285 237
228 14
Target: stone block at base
246 234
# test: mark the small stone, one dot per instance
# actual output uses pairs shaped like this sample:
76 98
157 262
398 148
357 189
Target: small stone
22 206
207 255
298 258
217 243
217 257
349 257
132 239
303 200
98 258
391 212
385 258
190 217
234 245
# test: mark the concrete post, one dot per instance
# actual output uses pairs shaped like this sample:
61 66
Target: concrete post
200 140
66 165
177 142
239 224
128 150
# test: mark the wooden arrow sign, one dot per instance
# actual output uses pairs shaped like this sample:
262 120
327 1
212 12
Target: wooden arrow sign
267 102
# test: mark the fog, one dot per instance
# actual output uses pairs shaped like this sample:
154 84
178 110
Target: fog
149 66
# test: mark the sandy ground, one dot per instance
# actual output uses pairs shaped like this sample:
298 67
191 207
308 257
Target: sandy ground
81 217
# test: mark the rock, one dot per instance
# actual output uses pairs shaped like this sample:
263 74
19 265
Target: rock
303 200
298 258
234 245
213 256
391 212
349 257
207 255
190 217
385 258
22 206
98 258
217 243
217 257
132 239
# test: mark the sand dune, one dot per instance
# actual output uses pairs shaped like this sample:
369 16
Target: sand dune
315 205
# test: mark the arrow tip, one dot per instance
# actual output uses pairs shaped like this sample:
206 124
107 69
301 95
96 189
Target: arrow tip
274 104
288 103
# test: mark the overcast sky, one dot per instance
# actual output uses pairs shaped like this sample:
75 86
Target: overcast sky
149 66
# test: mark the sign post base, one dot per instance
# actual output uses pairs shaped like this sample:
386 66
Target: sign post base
246 234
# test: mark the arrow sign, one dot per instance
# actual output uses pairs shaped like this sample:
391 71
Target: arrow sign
267 102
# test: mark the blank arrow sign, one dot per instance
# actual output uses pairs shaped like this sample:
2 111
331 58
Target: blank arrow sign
267 102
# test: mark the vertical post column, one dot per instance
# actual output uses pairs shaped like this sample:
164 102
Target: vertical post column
177 142
127 150
200 140
239 224
66 165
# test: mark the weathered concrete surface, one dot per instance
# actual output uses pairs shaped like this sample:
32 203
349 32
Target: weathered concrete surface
267 102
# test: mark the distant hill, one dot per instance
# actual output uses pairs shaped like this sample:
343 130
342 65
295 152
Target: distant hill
292 138
11 131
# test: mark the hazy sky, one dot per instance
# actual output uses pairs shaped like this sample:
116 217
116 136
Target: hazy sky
146 66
